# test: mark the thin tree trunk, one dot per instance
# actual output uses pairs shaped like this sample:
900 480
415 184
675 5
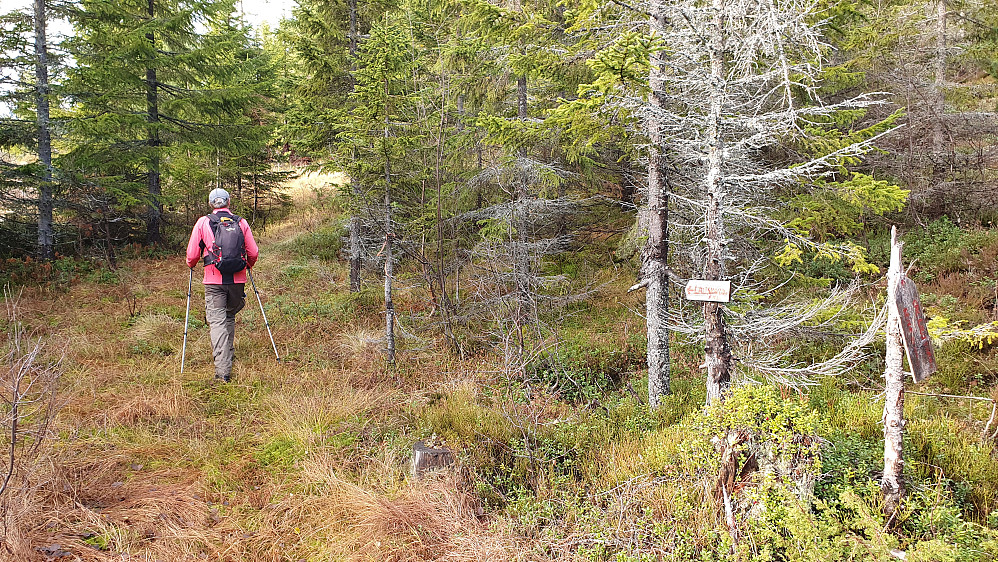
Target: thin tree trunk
256 196
939 84
656 251
521 97
521 261
718 352
155 213
112 258
389 265
892 483
46 235
355 223
441 278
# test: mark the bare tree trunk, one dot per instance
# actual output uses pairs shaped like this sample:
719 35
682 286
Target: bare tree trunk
355 224
521 97
521 259
389 274
718 352
355 257
46 236
256 196
155 212
656 252
445 306
939 84
112 258
389 265
892 483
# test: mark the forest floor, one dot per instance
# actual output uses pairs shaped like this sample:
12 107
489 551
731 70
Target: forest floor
309 458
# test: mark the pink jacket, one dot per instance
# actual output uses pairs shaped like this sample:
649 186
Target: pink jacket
202 233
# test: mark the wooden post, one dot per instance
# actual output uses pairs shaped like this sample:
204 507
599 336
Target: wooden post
892 483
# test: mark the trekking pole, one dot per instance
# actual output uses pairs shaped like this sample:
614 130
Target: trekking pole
183 354
253 283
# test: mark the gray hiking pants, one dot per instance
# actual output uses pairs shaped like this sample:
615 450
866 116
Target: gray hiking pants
221 303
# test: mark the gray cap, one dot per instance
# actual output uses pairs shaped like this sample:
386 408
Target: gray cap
218 198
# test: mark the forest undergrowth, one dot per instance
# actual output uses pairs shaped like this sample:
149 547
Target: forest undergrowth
309 459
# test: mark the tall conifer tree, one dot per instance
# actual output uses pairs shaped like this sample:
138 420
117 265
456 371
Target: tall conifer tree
146 80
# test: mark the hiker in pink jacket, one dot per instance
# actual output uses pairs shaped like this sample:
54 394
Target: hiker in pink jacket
225 243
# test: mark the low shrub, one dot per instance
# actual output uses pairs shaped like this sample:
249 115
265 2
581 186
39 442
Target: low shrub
586 371
324 244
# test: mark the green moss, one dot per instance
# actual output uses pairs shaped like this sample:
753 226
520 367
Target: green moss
280 453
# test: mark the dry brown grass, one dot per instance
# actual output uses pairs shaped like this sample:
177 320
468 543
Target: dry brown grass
424 520
361 346
150 463
310 212
97 510
158 405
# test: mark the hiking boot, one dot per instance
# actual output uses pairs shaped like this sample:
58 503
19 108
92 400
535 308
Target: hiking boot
223 378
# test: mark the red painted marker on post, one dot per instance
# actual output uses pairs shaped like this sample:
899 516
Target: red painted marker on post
914 331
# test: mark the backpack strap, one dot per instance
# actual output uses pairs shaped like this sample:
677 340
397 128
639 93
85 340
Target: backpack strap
215 218
211 257
213 253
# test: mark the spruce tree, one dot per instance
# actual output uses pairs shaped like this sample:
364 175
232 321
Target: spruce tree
146 82
324 37
26 88
382 133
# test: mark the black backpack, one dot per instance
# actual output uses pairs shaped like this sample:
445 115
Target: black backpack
228 251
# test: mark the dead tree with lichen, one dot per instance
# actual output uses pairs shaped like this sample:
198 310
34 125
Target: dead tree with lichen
731 82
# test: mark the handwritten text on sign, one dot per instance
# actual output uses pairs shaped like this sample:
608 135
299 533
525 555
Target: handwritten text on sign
708 291
914 332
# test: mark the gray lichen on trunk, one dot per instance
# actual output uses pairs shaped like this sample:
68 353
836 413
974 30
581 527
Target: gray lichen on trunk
718 351
656 251
389 261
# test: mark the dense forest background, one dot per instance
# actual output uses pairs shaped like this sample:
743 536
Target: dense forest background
477 219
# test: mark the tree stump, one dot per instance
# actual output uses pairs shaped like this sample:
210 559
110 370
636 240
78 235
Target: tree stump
425 459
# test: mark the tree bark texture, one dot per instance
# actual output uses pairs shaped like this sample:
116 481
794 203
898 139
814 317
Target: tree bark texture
389 265
426 459
521 97
445 305
46 236
892 483
939 84
656 251
355 223
155 212
718 351
519 239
